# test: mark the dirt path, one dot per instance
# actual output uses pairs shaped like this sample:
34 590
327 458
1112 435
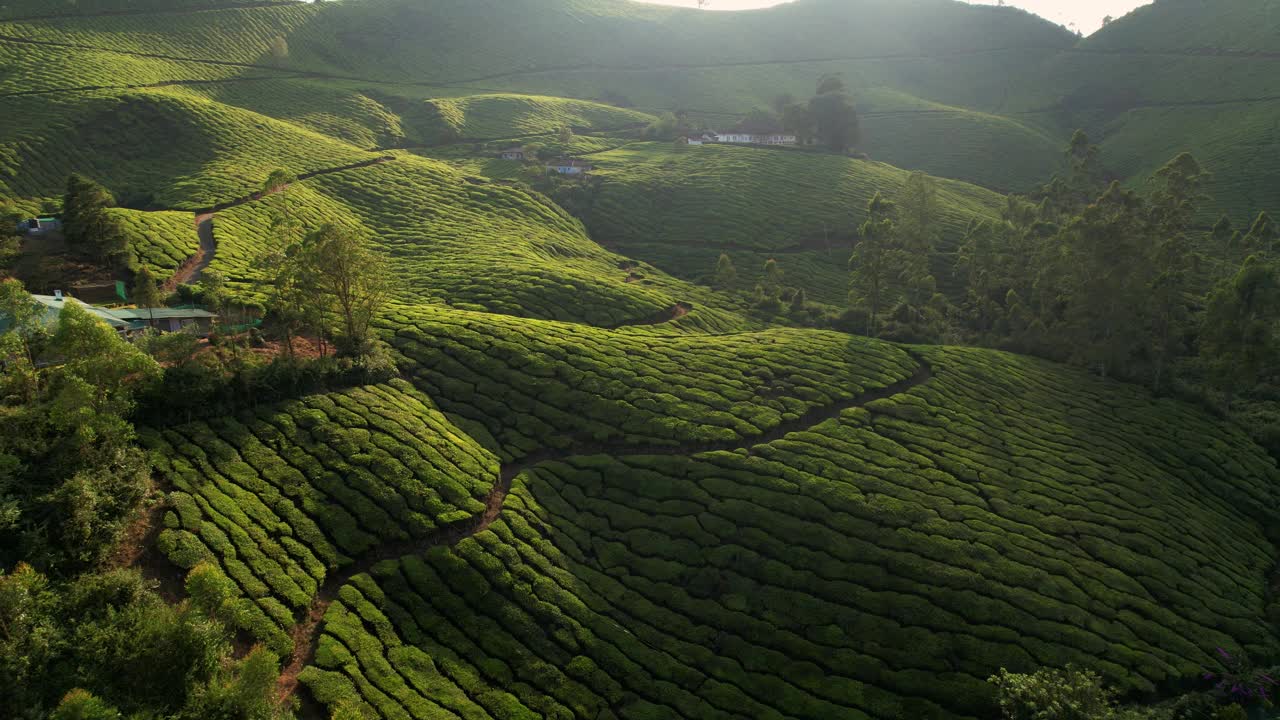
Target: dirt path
189 272
306 633
675 312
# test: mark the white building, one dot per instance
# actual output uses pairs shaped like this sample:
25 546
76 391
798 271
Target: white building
739 137
570 166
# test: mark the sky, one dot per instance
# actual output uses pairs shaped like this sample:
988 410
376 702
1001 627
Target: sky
1083 14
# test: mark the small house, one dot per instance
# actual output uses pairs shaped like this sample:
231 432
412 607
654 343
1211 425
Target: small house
570 166
166 319
50 307
514 153
40 225
757 136
697 139
125 322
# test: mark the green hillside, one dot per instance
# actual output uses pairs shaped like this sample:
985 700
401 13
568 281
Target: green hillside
981 506
516 450
154 148
680 208
990 80
466 242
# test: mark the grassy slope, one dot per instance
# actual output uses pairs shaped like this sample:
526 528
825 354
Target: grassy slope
922 70
154 147
881 565
280 497
1005 513
467 242
701 56
679 208
161 241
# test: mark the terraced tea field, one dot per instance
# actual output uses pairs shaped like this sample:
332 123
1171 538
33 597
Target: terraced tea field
679 208
161 241
156 148
596 488
802 576
470 243
281 498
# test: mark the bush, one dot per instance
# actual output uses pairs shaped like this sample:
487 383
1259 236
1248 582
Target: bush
1051 694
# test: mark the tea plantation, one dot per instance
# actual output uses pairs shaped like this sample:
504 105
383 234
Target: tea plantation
878 564
679 208
587 483
467 242
161 241
282 497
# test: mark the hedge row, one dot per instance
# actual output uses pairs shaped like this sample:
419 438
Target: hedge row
282 497
1006 513
538 384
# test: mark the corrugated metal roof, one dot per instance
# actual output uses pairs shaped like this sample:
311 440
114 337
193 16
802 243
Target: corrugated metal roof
161 314
55 306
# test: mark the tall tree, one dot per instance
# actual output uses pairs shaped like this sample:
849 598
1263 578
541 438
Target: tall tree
1100 280
835 120
1171 261
796 118
772 277
1262 235
726 273
146 294
975 262
917 234
1238 335
285 227
19 346
283 277
86 222
339 265
872 263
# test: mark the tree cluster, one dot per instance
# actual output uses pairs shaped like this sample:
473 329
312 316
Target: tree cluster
88 226
892 291
1089 272
830 117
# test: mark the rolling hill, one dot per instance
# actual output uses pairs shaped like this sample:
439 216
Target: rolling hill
595 487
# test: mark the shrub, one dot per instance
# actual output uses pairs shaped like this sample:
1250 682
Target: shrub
1051 694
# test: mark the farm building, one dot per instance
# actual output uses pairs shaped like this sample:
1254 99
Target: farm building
40 225
125 322
570 166
697 139
743 137
167 319
514 153
756 132
50 307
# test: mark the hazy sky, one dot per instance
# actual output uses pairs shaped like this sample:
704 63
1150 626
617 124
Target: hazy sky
1085 14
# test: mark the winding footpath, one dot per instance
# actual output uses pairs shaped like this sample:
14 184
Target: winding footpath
306 633
192 268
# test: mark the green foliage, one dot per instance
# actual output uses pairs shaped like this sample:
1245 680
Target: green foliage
337 267
756 204
726 273
813 576
87 225
1050 694
833 116
82 705
69 475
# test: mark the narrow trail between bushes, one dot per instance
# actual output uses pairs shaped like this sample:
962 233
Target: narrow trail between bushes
306 634
189 272
671 314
